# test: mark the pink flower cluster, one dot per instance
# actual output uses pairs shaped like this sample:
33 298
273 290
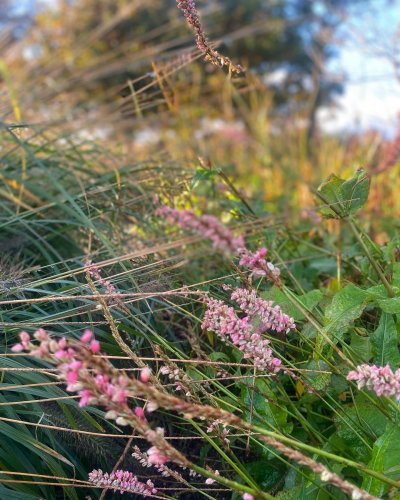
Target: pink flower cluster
258 265
122 481
380 379
207 226
75 370
153 458
156 457
270 317
210 227
223 320
95 271
93 379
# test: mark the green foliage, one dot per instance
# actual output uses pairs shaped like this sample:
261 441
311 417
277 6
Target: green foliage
385 458
347 305
385 340
343 198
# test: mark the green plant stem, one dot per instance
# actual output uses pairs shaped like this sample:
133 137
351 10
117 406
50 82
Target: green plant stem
371 259
231 484
326 454
239 469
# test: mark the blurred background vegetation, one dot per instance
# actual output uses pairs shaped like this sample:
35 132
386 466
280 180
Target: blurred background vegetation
127 72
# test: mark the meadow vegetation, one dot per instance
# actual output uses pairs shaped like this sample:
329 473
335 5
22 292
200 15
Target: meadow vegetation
208 296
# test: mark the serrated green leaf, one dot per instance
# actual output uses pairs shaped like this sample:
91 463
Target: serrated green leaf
345 196
315 378
357 426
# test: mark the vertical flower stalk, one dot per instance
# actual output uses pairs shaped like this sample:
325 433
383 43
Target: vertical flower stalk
189 10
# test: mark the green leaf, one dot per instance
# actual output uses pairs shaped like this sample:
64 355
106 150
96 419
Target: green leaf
263 409
385 342
266 473
391 306
355 191
315 378
346 197
202 175
385 459
396 274
330 189
361 347
355 428
347 305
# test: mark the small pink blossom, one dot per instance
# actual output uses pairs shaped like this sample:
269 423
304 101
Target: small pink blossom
95 346
156 456
145 374
139 412
85 397
41 335
247 496
87 336
17 348
258 265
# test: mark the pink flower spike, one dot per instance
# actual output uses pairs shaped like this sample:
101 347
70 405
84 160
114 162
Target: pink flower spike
95 346
247 496
379 379
75 365
123 481
87 336
145 375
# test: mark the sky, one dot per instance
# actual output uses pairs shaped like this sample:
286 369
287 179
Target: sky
372 93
